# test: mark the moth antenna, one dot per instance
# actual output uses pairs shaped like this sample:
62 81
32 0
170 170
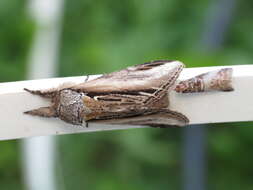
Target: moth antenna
218 80
46 94
43 111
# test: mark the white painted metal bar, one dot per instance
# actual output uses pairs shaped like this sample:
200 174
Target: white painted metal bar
210 107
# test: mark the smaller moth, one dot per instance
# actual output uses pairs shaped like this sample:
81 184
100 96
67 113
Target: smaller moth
218 80
137 95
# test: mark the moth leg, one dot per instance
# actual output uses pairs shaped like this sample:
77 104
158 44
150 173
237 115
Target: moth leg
43 93
43 111
87 78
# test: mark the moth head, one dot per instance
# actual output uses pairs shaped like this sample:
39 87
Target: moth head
67 105
70 106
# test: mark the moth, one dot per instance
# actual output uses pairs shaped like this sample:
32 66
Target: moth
217 80
137 95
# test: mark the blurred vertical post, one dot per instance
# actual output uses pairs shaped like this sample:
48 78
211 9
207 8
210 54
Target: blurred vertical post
194 167
39 152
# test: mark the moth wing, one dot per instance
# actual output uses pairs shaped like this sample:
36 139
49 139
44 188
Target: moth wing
144 77
163 118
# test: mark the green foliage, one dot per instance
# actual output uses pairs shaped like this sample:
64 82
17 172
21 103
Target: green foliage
103 36
136 159
15 36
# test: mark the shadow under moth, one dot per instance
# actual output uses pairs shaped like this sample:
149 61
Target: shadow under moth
137 95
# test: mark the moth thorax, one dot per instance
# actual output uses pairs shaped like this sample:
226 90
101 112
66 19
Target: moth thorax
70 107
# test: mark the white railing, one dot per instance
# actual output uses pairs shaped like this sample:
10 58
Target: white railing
210 107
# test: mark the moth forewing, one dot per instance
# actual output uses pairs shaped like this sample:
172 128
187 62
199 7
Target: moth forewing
136 78
133 104
161 118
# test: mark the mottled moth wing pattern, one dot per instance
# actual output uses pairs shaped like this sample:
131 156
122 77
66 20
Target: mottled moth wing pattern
137 95
217 80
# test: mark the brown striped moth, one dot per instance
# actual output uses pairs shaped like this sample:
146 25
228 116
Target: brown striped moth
218 80
137 95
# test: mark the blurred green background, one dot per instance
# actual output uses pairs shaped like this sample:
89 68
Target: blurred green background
104 36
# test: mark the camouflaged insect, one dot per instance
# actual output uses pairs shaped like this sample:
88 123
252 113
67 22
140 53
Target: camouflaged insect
137 95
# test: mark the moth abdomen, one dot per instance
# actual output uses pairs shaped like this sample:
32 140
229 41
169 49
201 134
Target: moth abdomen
218 80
